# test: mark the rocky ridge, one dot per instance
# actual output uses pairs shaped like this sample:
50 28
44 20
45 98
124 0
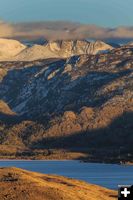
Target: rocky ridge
14 51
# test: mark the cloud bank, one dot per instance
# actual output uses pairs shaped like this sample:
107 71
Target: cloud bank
63 30
6 30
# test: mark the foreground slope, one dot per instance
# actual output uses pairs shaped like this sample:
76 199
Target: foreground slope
23 185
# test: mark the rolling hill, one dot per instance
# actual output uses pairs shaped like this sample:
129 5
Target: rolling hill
21 184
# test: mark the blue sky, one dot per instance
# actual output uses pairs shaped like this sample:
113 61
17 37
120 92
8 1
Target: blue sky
107 13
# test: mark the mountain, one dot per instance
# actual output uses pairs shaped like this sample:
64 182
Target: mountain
81 104
130 43
10 48
53 49
21 184
78 47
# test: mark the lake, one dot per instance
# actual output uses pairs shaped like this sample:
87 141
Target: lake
107 175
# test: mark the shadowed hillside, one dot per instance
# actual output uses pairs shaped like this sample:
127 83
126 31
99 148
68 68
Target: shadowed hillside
109 144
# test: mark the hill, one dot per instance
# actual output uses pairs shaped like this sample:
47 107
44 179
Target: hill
20 184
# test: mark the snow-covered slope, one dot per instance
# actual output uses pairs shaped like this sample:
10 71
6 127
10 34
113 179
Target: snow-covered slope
78 47
10 48
15 51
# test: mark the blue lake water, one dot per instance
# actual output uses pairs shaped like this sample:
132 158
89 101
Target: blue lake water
107 175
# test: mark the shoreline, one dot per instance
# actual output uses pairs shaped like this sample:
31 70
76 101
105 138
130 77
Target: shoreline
63 155
65 160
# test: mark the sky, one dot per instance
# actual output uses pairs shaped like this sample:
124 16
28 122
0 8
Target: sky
105 13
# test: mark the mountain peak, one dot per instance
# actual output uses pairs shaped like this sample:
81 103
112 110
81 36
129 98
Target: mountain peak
69 48
10 48
14 50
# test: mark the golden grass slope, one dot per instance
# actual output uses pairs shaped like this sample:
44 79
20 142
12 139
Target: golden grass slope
18 184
